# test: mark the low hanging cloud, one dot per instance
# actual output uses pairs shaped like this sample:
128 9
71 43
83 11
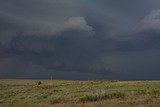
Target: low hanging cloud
14 28
70 46
76 36
38 39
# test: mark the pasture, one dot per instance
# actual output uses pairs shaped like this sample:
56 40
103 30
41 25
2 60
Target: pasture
64 93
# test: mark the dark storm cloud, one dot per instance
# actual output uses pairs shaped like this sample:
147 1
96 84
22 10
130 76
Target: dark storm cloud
43 36
146 33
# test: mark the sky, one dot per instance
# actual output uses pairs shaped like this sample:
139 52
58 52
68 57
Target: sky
80 39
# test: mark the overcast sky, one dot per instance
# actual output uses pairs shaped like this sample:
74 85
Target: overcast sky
80 39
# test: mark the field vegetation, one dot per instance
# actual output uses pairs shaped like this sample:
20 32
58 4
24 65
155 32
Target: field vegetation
61 93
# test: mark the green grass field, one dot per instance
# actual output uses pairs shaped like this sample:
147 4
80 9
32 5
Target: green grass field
43 93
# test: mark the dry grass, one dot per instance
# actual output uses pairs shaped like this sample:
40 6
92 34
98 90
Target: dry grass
41 93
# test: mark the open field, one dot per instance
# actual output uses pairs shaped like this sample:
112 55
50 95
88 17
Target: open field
43 93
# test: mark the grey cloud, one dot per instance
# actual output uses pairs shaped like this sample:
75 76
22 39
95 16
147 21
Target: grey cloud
146 34
151 23
78 23
44 36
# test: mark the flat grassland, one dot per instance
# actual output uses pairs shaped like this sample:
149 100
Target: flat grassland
61 93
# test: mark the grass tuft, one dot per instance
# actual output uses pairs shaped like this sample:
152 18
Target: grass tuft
39 83
103 96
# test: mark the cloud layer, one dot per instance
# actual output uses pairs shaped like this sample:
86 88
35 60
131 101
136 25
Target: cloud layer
82 37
